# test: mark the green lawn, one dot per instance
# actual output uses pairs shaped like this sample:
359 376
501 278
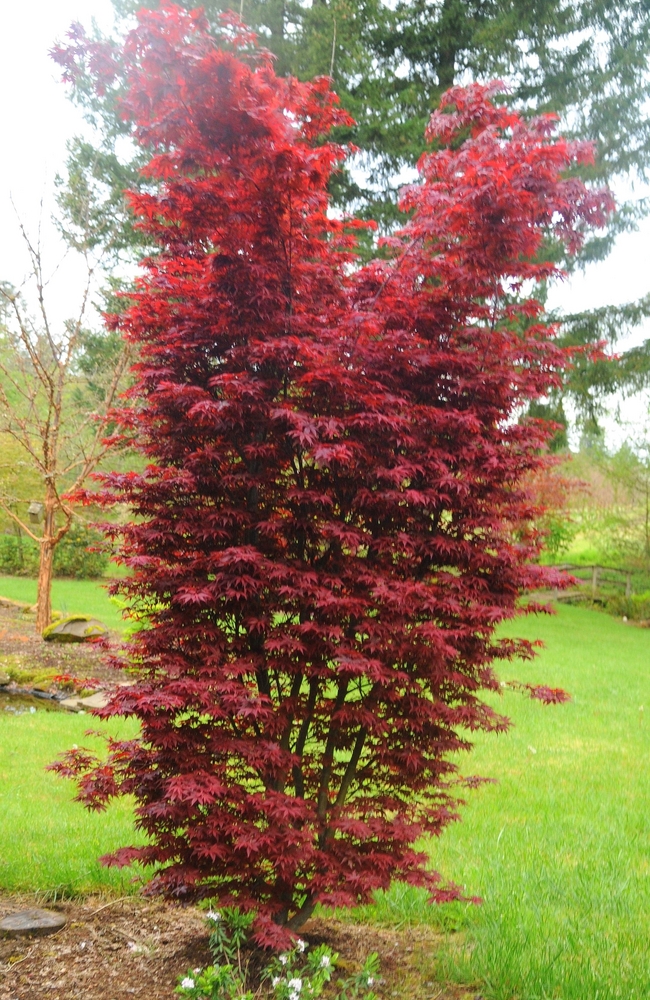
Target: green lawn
559 849
68 596
48 842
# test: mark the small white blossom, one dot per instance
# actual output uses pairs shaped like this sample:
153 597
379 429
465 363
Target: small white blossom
295 984
197 972
187 983
325 962
300 945
370 980
275 981
282 959
213 915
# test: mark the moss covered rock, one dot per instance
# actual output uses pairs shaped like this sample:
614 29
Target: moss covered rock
74 628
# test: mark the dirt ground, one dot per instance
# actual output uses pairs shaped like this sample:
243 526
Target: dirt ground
18 637
130 948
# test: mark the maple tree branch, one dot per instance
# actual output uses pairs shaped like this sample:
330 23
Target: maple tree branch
351 769
298 777
328 752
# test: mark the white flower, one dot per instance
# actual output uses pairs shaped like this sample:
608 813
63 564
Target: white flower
275 981
370 980
187 983
295 984
300 945
325 962
282 959
213 915
197 972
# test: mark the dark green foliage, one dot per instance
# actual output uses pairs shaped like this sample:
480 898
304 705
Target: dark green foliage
585 60
18 555
91 198
591 380
554 412
98 355
72 557
636 607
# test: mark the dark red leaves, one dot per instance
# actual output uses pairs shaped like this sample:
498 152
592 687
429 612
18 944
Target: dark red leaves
540 692
548 695
335 516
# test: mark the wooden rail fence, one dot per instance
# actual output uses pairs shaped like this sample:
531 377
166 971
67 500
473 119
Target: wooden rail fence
601 578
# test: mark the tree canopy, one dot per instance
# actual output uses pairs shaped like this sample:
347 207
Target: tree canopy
584 60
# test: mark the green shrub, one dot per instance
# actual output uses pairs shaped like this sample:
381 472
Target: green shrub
72 558
636 607
18 556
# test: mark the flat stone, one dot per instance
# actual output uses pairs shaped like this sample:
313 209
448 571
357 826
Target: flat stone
98 700
72 704
36 923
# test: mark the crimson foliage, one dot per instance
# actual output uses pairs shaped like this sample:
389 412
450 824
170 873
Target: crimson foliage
333 522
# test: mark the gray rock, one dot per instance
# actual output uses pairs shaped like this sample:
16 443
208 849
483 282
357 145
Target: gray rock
74 628
98 700
36 923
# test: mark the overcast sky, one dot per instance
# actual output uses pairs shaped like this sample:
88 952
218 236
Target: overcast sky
37 119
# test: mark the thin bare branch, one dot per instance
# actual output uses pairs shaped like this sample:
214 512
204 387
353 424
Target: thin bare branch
19 521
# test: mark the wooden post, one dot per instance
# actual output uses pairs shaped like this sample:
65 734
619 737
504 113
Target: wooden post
595 570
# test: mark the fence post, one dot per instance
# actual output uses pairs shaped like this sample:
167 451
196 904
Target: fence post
595 570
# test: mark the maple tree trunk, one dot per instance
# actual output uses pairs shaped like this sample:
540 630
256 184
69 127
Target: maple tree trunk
45 567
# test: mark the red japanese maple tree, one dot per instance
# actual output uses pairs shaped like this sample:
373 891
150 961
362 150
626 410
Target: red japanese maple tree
333 521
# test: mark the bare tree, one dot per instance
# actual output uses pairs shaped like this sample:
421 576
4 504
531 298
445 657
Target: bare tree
629 468
54 403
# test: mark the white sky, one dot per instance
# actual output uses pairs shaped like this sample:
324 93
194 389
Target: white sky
37 119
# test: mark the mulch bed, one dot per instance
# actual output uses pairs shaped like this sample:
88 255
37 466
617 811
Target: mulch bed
121 949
